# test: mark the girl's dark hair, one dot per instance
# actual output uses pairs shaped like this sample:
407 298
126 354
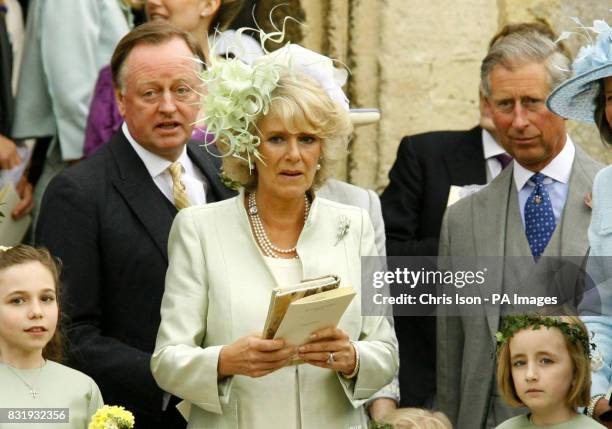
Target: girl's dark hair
605 131
23 254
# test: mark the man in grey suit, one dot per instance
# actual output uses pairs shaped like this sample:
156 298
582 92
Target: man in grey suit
550 177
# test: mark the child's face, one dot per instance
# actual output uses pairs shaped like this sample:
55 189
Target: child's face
542 369
28 309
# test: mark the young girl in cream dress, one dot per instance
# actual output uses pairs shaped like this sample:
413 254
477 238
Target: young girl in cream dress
30 346
543 363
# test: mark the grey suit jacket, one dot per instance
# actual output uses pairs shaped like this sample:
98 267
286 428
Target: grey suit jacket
477 226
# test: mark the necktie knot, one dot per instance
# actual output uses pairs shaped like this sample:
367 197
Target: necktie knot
181 200
538 179
176 170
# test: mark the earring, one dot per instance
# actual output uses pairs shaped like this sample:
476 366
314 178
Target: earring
318 166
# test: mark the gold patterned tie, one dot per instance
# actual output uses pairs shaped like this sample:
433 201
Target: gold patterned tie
181 200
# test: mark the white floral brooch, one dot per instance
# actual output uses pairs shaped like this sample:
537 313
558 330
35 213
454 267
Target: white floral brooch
343 226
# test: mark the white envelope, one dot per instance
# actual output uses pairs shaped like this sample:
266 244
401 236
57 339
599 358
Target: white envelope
457 192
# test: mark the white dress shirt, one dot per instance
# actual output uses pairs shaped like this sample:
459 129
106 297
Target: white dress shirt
557 174
192 178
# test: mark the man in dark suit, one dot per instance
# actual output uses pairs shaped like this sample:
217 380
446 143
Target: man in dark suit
108 219
426 167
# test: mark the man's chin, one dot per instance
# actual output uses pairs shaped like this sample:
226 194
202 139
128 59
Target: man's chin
531 161
171 142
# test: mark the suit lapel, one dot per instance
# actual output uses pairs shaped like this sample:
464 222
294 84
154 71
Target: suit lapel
465 164
141 194
208 160
576 215
489 216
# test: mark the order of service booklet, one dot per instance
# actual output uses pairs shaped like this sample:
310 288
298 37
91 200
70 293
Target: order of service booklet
297 311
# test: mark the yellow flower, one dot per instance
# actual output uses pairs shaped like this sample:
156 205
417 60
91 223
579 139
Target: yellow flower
112 417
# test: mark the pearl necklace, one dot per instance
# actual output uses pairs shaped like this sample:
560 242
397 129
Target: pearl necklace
267 246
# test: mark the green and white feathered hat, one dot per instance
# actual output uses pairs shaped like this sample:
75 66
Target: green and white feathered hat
238 93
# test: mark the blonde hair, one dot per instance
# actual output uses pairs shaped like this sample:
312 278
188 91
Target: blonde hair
579 393
303 106
417 418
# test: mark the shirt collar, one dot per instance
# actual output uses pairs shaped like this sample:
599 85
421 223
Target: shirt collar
490 147
559 169
154 164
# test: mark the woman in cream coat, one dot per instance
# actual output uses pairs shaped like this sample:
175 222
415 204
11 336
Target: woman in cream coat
226 257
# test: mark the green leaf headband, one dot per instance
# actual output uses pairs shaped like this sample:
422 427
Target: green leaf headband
238 93
514 323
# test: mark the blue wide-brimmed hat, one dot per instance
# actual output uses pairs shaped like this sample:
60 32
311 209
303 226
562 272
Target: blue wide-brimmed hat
575 98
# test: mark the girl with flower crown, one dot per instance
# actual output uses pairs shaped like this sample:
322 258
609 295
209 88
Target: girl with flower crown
31 347
284 124
587 97
543 363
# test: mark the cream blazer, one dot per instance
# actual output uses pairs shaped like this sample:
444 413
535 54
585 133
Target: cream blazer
218 289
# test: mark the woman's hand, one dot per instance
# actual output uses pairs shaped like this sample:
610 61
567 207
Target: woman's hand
254 357
26 204
9 157
326 341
